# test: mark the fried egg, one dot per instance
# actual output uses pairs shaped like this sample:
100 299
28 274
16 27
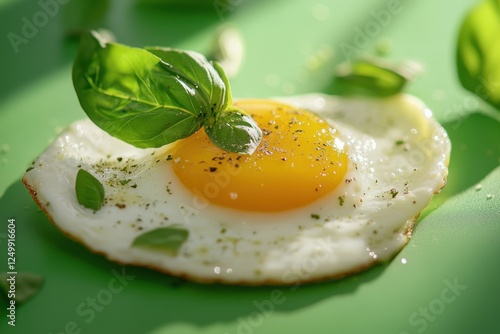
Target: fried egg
335 187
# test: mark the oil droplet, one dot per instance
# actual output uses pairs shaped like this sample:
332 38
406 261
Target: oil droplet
217 270
403 260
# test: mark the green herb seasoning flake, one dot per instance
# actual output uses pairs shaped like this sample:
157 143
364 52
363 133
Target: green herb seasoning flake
124 182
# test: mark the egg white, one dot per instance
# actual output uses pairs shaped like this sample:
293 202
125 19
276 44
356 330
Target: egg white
398 159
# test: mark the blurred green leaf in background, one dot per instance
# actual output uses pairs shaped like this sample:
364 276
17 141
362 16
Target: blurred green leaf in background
478 52
373 77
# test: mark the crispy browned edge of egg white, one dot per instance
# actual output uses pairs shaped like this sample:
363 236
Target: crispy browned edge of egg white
203 280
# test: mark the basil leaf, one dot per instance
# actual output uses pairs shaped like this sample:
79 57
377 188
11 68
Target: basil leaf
150 98
193 68
370 78
27 284
89 191
234 131
134 95
168 239
478 52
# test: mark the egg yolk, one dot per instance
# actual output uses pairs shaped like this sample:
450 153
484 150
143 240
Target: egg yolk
299 160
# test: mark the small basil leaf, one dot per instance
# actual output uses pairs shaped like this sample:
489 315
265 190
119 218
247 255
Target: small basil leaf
478 52
168 239
194 69
370 78
27 284
234 131
134 95
89 191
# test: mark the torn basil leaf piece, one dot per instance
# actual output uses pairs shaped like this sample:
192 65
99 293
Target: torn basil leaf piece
372 77
478 52
234 131
89 191
168 239
26 285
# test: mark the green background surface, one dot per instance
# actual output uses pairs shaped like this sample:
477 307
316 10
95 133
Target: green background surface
444 281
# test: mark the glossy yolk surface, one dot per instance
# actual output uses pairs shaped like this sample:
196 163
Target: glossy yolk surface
299 160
